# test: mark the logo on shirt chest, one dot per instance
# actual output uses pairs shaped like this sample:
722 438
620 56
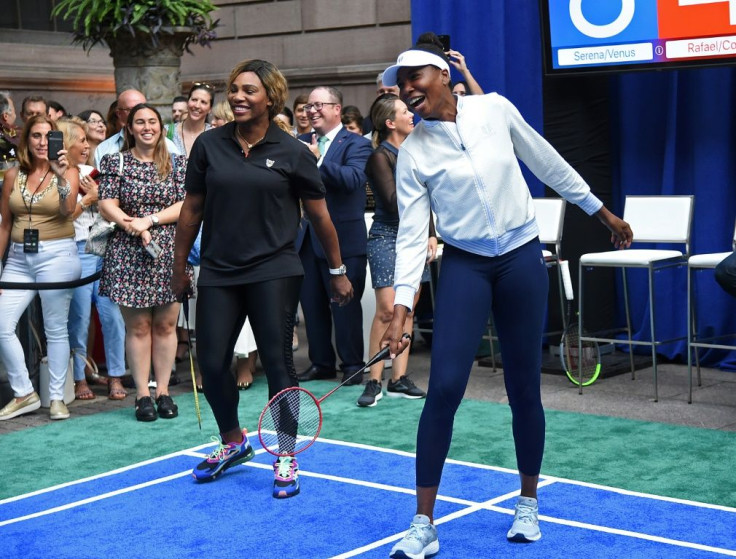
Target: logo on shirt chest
269 163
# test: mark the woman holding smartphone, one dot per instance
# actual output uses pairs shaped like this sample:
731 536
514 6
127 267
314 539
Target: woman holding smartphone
141 190
38 200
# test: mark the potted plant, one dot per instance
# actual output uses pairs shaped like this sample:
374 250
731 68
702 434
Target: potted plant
146 38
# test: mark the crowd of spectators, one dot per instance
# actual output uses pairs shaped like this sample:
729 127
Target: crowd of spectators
132 172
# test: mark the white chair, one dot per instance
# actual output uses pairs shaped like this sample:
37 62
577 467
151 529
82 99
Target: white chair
550 216
695 263
550 213
653 219
434 271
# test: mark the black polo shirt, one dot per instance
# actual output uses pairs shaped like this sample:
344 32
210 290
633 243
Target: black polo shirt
251 209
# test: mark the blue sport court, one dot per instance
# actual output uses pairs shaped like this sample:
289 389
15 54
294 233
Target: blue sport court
356 501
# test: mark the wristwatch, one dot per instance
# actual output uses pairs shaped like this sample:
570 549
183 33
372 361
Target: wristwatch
341 271
154 219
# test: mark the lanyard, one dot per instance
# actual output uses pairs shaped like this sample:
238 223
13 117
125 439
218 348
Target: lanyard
32 196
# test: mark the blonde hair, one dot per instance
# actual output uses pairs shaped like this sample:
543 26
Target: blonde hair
70 127
223 111
283 125
382 109
272 79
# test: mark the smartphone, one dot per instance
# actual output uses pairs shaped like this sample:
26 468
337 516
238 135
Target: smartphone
445 40
154 249
88 171
55 143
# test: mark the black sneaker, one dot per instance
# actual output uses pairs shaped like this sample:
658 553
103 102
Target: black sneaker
371 394
352 379
144 410
404 388
167 409
225 456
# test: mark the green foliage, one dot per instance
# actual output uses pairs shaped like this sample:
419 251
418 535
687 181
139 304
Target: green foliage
95 21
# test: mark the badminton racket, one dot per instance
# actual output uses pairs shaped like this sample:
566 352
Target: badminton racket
185 302
292 420
580 359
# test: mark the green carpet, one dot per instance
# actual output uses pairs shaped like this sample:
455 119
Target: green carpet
674 461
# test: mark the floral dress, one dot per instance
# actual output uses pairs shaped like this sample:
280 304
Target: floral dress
130 276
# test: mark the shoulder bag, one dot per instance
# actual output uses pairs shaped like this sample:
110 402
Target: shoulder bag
101 229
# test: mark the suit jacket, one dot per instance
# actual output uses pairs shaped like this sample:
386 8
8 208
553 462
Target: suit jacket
343 173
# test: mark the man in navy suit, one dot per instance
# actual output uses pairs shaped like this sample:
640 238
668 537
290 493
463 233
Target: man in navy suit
341 157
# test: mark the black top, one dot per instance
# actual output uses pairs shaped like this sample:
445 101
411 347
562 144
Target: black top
381 173
8 152
251 210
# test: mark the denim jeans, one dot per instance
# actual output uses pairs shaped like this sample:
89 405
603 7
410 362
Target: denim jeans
55 261
726 274
80 312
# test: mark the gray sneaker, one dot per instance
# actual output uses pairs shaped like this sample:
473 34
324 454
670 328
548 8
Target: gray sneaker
525 528
371 394
420 541
405 388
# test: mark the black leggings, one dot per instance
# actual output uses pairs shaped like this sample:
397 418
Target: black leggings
221 312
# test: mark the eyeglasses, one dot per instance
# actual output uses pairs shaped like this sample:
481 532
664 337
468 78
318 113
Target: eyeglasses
95 122
317 106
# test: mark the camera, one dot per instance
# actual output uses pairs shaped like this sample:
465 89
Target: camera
55 144
154 249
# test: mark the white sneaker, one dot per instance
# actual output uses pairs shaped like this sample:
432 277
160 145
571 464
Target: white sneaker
420 540
525 528
58 410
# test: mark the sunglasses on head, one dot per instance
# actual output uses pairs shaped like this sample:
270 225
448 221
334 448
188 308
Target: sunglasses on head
200 85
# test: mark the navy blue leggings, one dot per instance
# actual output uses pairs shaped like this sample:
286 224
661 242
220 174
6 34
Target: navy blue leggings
514 287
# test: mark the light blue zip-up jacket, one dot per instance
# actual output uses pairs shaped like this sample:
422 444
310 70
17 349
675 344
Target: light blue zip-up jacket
468 173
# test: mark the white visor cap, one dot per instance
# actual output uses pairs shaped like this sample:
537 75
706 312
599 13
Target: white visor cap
412 58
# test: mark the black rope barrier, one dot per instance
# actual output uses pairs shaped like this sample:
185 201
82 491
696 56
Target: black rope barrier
51 284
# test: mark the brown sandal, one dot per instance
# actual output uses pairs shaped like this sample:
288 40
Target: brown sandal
82 391
115 390
96 379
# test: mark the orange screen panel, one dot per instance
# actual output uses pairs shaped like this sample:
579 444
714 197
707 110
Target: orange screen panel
697 20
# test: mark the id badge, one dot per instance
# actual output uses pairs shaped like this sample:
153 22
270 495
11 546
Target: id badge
30 240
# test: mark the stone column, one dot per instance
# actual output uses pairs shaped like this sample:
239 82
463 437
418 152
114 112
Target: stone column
150 69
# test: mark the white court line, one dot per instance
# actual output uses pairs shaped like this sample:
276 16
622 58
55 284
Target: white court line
698 504
490 506
102 475
94 499
652 496
470 506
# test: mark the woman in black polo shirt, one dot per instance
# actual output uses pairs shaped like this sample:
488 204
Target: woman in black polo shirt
244 183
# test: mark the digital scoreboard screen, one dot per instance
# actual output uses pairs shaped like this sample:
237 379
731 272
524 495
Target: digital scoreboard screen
616 35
